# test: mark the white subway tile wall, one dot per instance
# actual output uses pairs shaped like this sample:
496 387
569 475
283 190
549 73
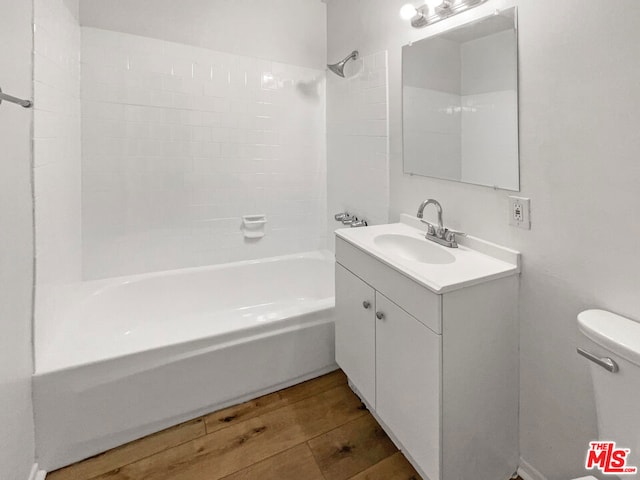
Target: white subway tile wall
57 141
57 155
357 133
488 159
179 142
457 108
459 131
432 130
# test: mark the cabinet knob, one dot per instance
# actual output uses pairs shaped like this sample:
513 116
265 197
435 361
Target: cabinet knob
366 304
379 315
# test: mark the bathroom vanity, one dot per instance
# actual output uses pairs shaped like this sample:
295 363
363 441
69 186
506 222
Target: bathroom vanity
428 336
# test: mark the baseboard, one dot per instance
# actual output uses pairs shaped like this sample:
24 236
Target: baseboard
527 472
37 474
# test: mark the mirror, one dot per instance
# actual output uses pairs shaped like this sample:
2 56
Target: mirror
460 103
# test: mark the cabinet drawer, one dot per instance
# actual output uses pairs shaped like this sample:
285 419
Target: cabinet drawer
423 304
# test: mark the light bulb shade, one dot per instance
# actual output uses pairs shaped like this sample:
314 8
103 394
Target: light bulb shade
433 11
432 4
408 11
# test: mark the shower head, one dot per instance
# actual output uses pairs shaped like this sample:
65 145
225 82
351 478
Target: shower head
338 68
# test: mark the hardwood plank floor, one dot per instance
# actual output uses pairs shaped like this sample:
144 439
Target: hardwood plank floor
317 430
296 463
351 448
238 413
121 456
395 467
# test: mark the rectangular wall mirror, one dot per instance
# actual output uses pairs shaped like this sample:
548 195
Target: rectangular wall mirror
460 103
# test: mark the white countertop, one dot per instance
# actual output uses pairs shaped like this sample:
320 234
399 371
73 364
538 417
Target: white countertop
476 261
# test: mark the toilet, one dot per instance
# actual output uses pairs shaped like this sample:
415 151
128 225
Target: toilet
611 345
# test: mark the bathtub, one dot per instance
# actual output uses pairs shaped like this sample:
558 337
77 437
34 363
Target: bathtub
138 354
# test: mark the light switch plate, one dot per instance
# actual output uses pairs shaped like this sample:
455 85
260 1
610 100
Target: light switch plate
520 212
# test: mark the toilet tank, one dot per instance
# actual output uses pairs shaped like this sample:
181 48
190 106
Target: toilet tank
617 394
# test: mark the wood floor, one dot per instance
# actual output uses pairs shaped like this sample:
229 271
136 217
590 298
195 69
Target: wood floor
317 430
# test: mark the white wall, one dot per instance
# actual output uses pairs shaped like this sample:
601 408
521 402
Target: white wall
489 139
432 107
490 110
287 31
433 132
489 63
56 170
179 142
457 96
434 65
579 164
357 142
73 6
16 244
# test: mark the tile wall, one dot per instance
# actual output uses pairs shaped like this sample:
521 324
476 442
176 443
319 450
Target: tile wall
57 141
432 130
460 120
57 155
489 101
179 142
489 124
357 139
457 135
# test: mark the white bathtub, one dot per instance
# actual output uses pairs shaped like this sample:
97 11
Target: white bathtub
138 354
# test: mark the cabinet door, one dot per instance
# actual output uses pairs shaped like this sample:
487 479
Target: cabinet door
355 331
408 383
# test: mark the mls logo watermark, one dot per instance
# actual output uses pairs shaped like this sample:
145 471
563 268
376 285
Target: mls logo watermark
609 459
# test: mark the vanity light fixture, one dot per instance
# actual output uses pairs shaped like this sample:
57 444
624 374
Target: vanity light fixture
434 11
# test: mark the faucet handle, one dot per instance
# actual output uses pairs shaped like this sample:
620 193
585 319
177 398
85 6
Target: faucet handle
431 229
340 216
450 235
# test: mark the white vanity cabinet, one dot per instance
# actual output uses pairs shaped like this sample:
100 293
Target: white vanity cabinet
393 362
408 382
356 332
438 370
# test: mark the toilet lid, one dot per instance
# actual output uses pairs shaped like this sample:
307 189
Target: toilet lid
617 334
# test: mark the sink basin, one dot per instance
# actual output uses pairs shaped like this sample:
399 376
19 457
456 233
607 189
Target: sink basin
402 247
413 249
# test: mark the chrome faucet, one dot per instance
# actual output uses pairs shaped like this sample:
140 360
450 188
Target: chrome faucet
359 223
350 220
420 215
439 234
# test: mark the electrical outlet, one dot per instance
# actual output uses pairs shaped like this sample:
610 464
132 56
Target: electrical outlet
520 212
